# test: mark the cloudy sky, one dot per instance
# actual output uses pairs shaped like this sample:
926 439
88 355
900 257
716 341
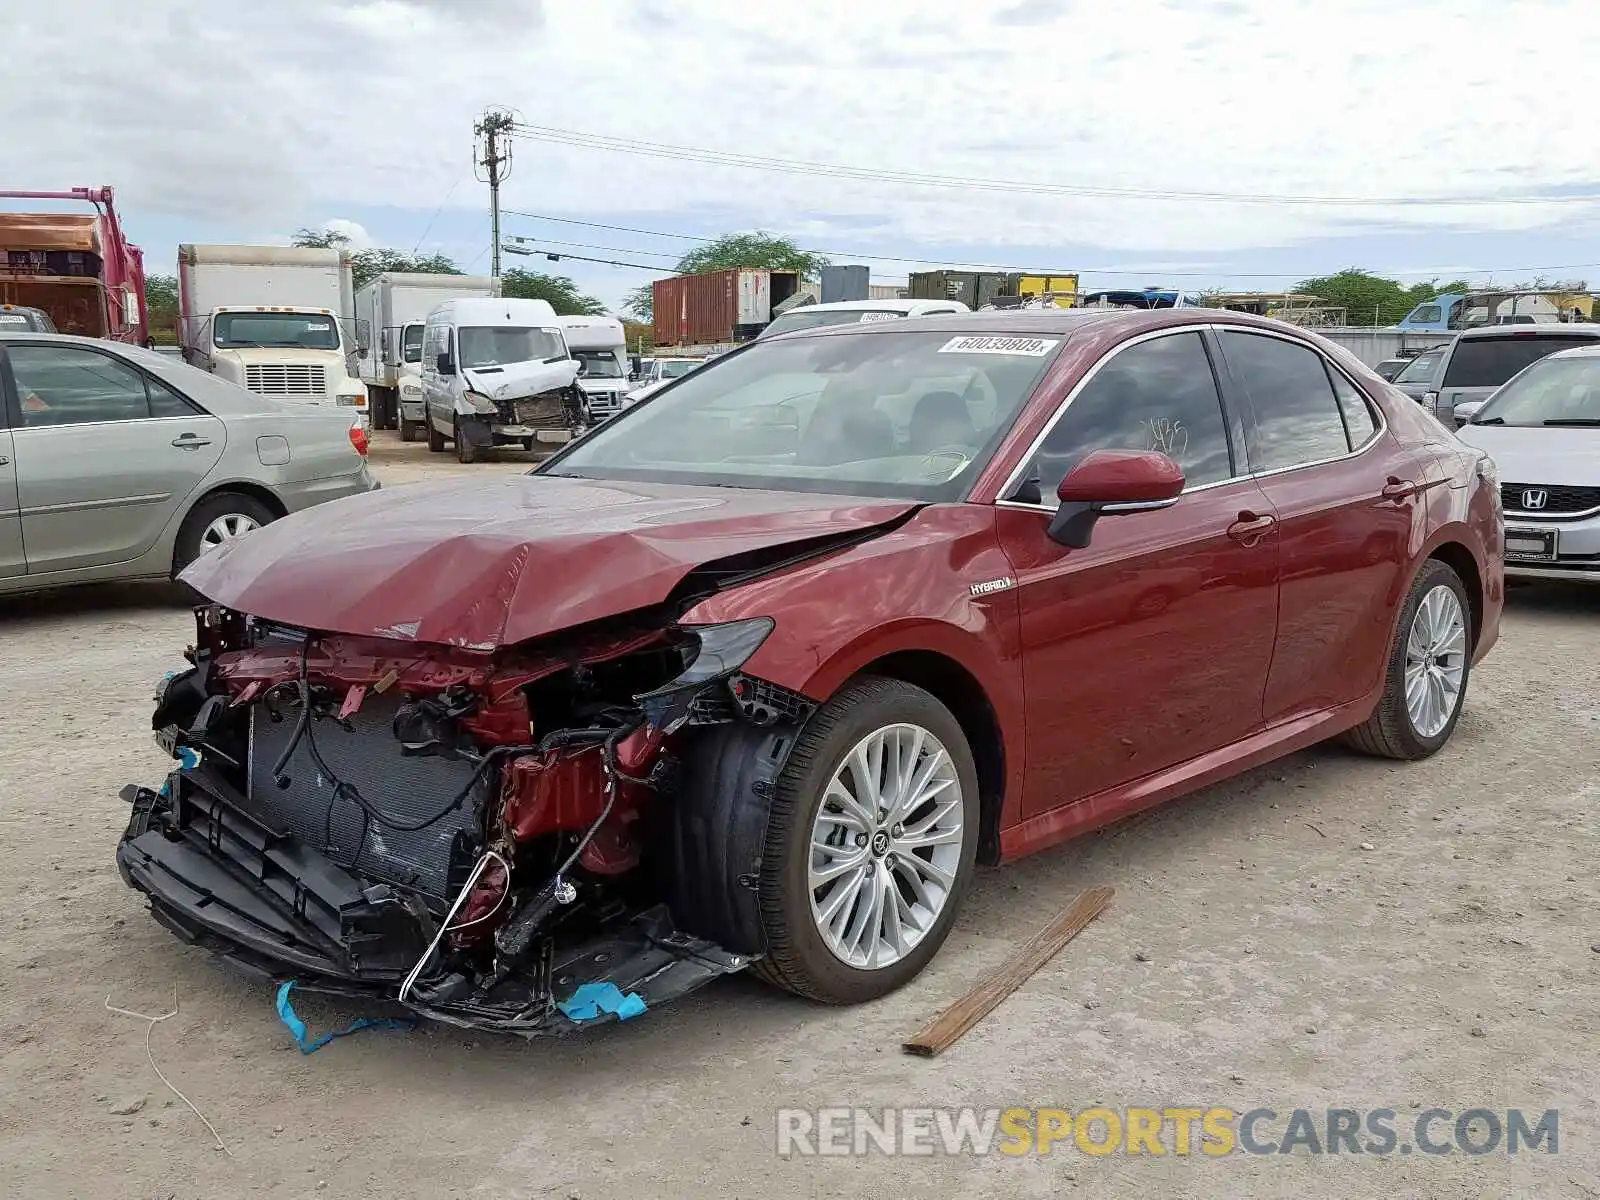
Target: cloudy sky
1242 143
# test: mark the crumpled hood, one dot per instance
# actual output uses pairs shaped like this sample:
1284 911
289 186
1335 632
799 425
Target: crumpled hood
515 380
1554 456
492 563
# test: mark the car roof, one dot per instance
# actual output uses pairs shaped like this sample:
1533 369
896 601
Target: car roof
889 304
1576 352
1124 321
1570 329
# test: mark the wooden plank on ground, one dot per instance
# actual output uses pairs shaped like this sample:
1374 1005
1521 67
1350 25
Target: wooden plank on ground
942 1032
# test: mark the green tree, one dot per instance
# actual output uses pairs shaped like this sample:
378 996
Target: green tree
1370 299
561 292
365 265
161 305
734 250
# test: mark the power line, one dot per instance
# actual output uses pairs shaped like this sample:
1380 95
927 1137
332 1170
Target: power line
557 256
428 228
968 263
634 146
591 246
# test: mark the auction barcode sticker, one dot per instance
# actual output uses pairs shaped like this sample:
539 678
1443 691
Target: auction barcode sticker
989 344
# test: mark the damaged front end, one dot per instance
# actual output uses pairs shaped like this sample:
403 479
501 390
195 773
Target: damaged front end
473 833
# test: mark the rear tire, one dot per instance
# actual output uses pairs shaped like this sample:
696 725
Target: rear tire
215 520
435 438
1394 730
746 850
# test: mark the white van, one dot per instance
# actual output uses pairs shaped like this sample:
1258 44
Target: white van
601 348
496 372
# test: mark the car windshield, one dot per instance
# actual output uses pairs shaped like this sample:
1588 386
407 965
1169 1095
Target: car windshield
305 331
1490 361
1421 368
672 370
411 343
499 346
909 414
599 364
1555 391
804 318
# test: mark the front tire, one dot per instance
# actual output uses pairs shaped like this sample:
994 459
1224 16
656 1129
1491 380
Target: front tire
865 844
435 438
1430 662
466 451
408 430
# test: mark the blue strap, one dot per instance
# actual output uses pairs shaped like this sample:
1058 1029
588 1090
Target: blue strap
592 999
309 1045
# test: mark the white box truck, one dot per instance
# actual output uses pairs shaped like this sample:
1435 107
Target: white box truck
394 308
278 320
601 349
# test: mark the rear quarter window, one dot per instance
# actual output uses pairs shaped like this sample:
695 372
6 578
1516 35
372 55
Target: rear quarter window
1490 361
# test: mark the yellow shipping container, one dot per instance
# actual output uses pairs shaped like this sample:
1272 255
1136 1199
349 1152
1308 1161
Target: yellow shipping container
1062 288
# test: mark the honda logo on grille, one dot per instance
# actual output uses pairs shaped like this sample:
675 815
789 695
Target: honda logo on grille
1535 498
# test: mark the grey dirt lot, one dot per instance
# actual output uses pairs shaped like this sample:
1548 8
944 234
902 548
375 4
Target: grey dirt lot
1255 955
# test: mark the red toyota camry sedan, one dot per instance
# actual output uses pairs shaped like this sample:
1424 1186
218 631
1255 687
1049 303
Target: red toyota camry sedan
753 674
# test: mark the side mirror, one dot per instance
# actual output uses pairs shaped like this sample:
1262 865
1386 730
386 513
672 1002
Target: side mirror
1465 412
446 364
583 368
1109 482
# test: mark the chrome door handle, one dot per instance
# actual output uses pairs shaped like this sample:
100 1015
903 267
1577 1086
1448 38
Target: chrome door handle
4 461
1250 528
189 442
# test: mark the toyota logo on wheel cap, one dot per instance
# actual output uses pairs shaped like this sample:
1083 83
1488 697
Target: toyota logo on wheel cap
1535 498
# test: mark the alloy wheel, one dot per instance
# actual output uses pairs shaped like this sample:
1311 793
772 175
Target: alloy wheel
1436 661
885 846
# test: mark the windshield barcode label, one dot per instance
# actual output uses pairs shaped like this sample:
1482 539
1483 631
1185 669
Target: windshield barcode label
970 344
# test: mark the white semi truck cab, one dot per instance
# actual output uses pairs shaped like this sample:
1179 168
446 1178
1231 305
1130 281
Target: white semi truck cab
279 321
601 349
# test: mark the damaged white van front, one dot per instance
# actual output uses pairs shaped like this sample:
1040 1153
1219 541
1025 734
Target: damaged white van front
497 372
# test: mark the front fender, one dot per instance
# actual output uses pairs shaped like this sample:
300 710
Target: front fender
909 590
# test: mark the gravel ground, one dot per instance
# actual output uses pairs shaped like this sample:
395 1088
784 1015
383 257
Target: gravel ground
1256 955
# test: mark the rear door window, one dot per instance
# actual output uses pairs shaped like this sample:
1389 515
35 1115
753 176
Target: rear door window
1490 361
1359 423
1298 419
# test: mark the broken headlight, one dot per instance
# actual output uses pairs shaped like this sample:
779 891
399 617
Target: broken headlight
719 651
722 649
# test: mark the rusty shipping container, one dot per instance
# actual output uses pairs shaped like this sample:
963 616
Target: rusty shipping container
718 307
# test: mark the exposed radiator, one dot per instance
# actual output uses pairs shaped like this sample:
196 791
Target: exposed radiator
407 789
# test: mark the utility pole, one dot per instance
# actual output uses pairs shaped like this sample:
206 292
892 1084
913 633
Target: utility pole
492 156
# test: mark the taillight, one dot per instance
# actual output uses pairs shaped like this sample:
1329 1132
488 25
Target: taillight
358 438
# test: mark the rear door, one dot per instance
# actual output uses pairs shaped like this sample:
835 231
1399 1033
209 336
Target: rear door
105 456
1479 365
1347 497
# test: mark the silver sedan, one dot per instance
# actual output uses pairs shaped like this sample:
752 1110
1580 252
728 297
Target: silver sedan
1543 431
120 463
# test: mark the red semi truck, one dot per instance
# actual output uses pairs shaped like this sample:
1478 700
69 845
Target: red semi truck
78 268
